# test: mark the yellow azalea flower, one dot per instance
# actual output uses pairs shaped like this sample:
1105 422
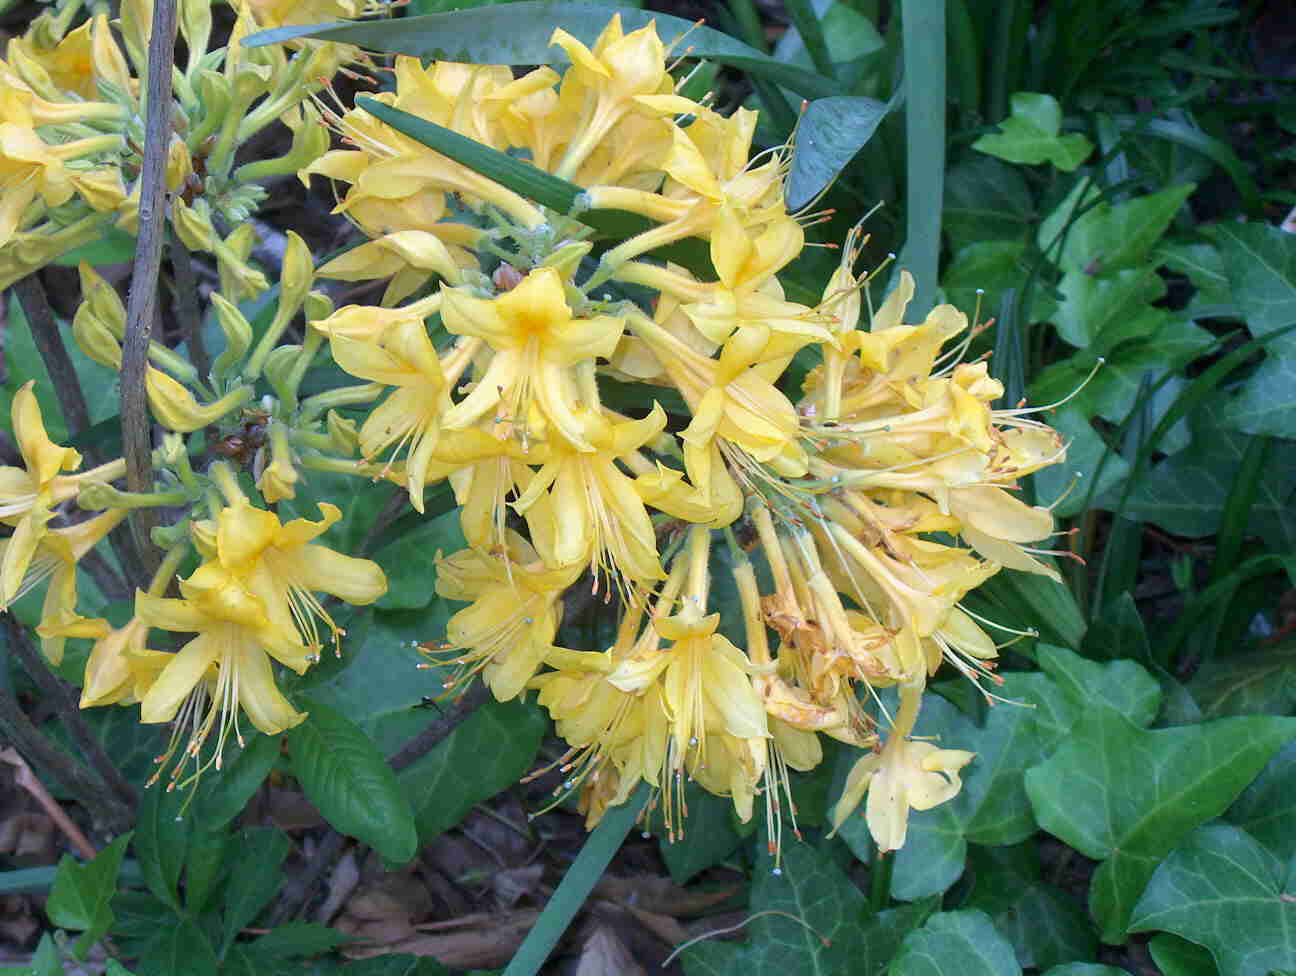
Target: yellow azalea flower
582 508
55 557
108 672
283 568
536 340
28 495
516 606
607 81
410 258
906 775
705 683
996 525
409 420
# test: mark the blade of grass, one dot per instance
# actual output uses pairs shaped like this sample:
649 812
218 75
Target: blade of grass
923 41
577 883
1118 569
812 35
748 20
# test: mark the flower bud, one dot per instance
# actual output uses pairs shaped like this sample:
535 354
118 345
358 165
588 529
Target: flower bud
175 407
95 338
278 371
102 300
342 433
238 336
278 481
317 306
298 272
567 258
179 164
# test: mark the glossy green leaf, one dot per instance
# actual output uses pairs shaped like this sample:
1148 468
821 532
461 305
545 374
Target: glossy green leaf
1122 685
1259 681
1179 957
161 841
484 755
206 866
45 961
1185 493
1127 796
986 200
299 939
82 893
1085 449
964 943
1221 889
1094 304
1203 265
346 777
1260 262
1045 925
225 793
1112 236
839 935
988 267
1085 969
831 131
1266 810
256 879
410 562
518 33
710 836
1032 135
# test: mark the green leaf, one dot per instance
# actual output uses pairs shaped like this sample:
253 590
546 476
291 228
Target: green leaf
1203 265
986 200
298 939
1085 969
1085 448
1031 135
1094 304
181 948
836 932
1266 810
224 794
1142 792
965 943
1221 889
990 267
518 34
1185 493
1179 957
410 562
1045 926
255 881
1260 262
710 836
346 777
484 755
45 961
82 892
162 841
1257 682
1109 237
1122 685
831 131
205 866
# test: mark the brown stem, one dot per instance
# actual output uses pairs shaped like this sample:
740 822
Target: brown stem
49 341
188 313
118 801
18 729
29 781
136 428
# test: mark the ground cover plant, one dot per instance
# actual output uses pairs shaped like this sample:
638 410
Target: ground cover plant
491 489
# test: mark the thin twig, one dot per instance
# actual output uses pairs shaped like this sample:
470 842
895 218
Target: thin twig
49 342
28 780
106 578
19 730
119 799
188 313
136 428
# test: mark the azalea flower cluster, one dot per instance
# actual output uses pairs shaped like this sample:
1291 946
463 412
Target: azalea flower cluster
852 509
72 136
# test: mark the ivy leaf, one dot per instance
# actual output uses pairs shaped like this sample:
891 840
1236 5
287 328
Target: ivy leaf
1108 237
829 931
82 893
1045 926
346 777
985 200
1256 682
1221 889
710 838
182 948
983 271
1127 796
1179 957
484 755
964 943
1030 135
1260 262
1266 810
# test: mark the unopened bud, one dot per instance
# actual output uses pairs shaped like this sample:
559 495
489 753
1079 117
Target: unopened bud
103 300
95 338
342 433
238 336
279 366
317 306
568 257
179 164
